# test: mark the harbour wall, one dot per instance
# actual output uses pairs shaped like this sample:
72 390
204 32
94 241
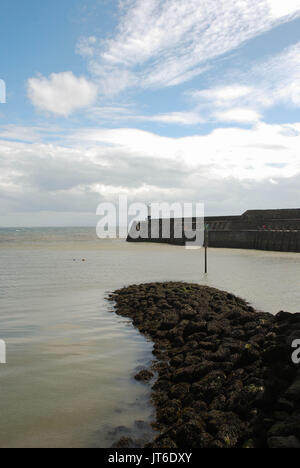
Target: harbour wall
234 238
281 241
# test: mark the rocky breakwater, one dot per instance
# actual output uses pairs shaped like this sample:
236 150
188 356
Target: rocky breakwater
223 375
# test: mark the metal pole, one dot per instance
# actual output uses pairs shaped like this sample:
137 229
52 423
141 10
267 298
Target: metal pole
206 246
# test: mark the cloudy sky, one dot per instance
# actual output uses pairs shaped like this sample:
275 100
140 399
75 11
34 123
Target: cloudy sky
163 100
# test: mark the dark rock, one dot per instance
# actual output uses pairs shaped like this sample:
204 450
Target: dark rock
169 413
218 403
275 353
283 316
225 378
284 405
280 416
163 443
124 442
144 376
290 442
192 373
194 327
179 391
293 392
193 435
290 426
249 355
249 444
162 385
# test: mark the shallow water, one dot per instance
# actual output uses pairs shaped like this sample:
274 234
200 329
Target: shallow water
68 381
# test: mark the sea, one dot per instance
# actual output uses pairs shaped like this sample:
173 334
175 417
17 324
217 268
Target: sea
68 380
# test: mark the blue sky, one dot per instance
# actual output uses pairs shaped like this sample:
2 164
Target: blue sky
160 100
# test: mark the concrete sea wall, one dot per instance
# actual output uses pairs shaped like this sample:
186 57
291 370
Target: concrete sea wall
282 241
273 240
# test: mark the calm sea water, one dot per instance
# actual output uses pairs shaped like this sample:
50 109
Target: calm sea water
68 380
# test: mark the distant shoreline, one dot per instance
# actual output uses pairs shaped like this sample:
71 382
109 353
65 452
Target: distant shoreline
223 376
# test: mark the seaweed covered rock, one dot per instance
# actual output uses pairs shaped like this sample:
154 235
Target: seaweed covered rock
225 378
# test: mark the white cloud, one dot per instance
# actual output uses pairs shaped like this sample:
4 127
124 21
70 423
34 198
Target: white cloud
166 42
86 46
181 118
61 93
16 132
269 83
2 92
291 93
238 115
117 114
112 113
112 81
281 76
280 8
262 152
255 165
224 94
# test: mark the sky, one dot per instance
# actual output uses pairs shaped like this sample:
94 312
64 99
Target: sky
159 100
